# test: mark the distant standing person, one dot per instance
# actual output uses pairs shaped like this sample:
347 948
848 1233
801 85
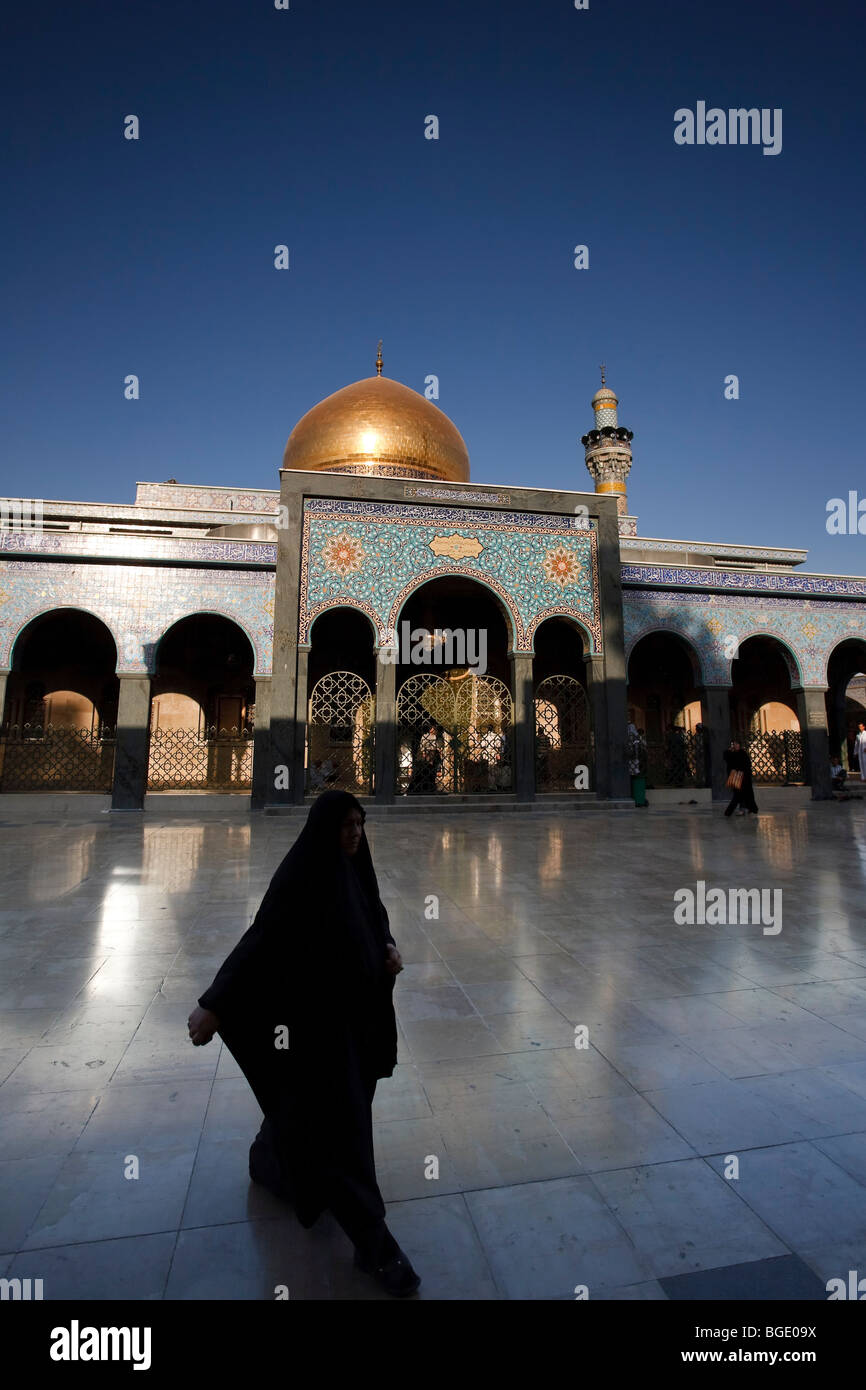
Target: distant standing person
860 751
739 766
633 745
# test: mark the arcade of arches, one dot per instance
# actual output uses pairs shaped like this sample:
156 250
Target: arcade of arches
480 722
63 697
683 724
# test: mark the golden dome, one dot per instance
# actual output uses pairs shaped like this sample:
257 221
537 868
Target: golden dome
380 428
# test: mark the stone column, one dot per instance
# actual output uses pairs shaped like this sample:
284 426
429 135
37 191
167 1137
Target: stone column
133 744
609 678
716 719
264 776
812 713
385 744
522 694
299 771
3 678
284 701
599 776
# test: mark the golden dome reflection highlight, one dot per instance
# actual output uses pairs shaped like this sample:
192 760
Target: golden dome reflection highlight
381 428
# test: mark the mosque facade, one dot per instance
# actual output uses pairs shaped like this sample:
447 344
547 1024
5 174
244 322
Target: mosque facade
382 623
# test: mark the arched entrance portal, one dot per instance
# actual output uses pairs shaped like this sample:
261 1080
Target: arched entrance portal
563 726
61 706
664 704
202 708
846 699
340 734
341 673
454 734
455 717
764 711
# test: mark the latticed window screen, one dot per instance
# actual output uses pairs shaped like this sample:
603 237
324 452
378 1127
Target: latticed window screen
211 760
37 758
563 734
340 734
677 760
777 757
454 735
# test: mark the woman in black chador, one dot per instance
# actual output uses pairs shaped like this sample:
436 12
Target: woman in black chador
304 1005
743 799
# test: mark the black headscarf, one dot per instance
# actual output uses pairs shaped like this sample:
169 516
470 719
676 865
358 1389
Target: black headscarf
738 760
314 957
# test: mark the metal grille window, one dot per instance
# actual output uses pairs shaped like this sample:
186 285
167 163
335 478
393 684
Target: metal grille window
563 734
208 760
34 757
777 757
454 735
677 760
340 734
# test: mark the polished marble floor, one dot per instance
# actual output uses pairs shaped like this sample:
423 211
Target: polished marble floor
711 1049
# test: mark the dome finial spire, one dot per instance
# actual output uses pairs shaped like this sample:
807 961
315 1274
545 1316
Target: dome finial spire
602 374
379 359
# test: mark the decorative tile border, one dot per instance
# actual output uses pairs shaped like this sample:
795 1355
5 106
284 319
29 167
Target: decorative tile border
453 516
138 604
216 551
809 629
690 577
221 499
445 494
744 552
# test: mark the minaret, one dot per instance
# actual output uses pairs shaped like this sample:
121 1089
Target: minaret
608 448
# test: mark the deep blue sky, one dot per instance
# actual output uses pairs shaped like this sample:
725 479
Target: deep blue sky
306 127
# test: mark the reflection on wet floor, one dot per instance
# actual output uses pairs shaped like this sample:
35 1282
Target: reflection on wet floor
559 1163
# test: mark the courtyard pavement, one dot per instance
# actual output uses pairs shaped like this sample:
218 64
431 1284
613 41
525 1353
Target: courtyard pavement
708 1141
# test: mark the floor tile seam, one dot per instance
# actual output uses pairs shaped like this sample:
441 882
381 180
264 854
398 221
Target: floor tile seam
74 1244
749 1076
286 1215
677 1038
31 1048
134 1235
734 1080
65 1159
823 1066
455 981
193 1168
669 1123
475 1231
782 1144
748 988
635 1091
799 984
568 1146
818 1019
640 1258
816 1139
662 1163
705 1158
71 1151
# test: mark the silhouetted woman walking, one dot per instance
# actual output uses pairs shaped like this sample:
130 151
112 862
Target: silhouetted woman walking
318 962
739 766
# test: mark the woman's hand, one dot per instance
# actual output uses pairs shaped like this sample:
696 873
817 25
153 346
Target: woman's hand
202 1025
393 961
